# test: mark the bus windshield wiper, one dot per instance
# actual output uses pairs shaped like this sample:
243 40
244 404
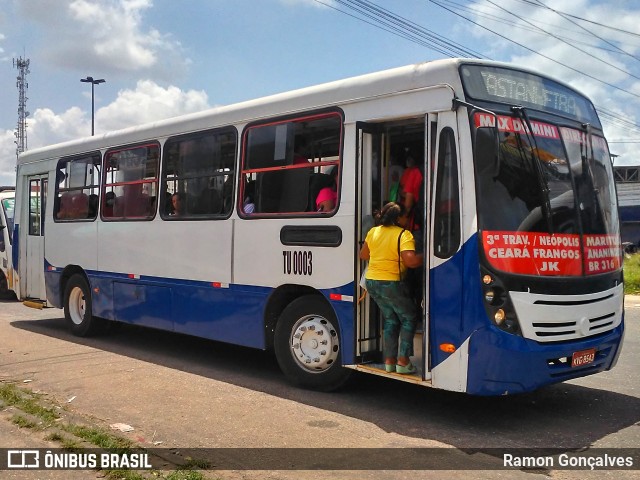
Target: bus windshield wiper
546 203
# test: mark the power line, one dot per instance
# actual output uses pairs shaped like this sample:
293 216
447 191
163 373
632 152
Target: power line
397 33
535 28
566 17
536 52
567 43
401 27
589 21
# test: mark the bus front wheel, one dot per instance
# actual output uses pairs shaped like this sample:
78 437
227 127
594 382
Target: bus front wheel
77 307
307 344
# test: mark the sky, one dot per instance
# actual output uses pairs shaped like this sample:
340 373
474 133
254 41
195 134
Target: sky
163 58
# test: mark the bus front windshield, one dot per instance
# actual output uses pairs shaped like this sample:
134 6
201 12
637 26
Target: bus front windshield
546 201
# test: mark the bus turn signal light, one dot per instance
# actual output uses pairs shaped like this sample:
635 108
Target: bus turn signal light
448 347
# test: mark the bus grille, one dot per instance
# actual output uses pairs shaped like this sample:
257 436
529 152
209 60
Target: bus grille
557 318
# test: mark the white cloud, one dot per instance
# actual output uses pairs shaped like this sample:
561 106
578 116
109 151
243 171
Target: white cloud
108 36
148 102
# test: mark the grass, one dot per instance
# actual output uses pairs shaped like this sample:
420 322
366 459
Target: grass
41 415
28 402
632 274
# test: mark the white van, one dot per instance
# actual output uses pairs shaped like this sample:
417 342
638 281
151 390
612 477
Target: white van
7 202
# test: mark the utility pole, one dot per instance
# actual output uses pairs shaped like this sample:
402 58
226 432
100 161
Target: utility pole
21 132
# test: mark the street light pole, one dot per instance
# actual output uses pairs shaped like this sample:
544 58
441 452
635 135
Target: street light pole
93 82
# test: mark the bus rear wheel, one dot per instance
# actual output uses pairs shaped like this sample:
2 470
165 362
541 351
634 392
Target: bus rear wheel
307 345
77 307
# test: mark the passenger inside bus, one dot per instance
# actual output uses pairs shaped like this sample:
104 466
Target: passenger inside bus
177 203
300 155
248 205
325 200
93 205
410 184
109 202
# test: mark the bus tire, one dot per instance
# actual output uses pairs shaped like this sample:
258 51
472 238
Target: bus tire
77 308
307 345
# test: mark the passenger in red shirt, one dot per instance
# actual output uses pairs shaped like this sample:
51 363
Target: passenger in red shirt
410 184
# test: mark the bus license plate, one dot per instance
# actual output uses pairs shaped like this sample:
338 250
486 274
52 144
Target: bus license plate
583 357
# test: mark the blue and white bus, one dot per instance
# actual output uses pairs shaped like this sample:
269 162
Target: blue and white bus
207 225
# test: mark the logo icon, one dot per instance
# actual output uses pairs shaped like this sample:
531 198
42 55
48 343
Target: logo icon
23 459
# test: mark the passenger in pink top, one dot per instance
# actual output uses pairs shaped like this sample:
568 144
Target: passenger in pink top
328 196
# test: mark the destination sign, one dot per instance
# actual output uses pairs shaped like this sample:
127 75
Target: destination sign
516 87
544 254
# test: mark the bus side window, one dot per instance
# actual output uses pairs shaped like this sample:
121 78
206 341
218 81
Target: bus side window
77 187
287 159
200 167
131 182
446 235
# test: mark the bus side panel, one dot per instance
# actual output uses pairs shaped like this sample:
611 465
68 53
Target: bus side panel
81 234
452 319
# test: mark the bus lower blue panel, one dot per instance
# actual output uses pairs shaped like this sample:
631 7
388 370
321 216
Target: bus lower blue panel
452 320
232 315
52 287
102 296
145 305
15 251
501 364
345 314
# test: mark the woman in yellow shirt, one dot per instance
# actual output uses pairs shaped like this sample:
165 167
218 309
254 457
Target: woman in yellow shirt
390 250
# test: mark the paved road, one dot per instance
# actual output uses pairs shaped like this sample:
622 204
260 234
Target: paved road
186 392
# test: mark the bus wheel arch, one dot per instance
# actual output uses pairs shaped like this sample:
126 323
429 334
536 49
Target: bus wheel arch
307 344
279 299
70 271
77 303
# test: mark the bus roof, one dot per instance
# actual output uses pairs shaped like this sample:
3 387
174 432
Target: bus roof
334 93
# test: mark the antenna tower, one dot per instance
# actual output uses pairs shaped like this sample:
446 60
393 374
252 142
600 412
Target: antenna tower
21 132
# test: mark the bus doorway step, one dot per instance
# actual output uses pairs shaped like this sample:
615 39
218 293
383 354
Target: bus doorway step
378 369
